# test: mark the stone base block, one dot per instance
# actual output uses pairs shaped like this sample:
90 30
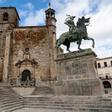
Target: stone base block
85 87
77 74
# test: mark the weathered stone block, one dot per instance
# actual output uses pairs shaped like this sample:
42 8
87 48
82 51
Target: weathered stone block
77 74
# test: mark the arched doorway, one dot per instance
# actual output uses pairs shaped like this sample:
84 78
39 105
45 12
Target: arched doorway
26 75
106 84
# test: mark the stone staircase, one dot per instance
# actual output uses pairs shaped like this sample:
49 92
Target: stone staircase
42 90
9 100
47 102
70 103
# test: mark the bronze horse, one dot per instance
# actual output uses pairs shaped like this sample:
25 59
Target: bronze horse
79 33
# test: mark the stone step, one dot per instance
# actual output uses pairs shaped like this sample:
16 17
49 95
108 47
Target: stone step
64 99
54 100
70 105
8 99
4 94
51 102
48 102
6 89
42 90
49 107
10 102
98 106
59 98
45 104
8 95
95 110
11 108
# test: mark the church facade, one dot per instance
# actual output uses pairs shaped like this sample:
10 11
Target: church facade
29 57
27 53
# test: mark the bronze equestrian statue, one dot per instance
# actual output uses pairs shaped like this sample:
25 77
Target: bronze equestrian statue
75 33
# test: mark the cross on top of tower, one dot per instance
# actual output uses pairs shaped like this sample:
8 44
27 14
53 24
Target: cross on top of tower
49 4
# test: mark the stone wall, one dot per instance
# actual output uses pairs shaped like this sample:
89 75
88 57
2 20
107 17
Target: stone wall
6 25
77 74
1 70
37 41
2 44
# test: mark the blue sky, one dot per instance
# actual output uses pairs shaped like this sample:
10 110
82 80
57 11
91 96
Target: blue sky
20 3
32 13
25 6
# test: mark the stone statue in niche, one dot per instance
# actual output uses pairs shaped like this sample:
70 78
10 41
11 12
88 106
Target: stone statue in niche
26 53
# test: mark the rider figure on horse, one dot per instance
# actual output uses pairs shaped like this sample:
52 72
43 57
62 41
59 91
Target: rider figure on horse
81 26
69 21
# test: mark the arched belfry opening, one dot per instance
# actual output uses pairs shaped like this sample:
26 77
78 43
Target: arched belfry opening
26 75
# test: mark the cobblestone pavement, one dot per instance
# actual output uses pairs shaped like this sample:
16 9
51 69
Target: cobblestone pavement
40 110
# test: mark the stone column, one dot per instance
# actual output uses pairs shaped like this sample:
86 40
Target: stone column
6 57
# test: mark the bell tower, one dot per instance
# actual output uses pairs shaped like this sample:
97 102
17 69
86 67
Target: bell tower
50 16
51 25
9 19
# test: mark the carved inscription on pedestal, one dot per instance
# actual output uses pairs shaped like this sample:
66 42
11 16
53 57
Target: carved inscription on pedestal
79 68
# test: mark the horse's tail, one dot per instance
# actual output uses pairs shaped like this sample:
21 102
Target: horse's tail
57 43
61 39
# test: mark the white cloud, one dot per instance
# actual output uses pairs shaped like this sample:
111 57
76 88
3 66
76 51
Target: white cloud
23 13
34 18
100 27
101 30
100 24
31 16
29 5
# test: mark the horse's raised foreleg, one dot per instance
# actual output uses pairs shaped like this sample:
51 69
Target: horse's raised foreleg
88 38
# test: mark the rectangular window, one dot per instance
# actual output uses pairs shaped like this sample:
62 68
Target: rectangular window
105 64
99 65
111 63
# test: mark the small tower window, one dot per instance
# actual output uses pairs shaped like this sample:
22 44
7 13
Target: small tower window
5 16
99 65
105 64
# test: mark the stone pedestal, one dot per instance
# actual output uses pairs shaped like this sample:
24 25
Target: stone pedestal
77 74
